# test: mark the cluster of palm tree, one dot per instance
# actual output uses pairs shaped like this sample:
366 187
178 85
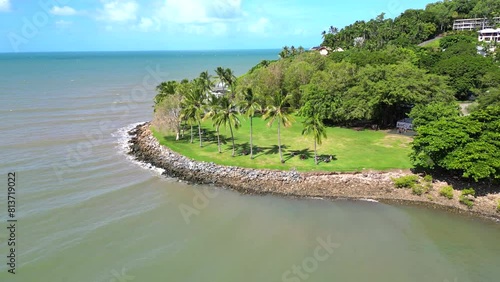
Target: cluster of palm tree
288 52
200 104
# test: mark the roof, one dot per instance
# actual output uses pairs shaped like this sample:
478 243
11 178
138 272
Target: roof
489 30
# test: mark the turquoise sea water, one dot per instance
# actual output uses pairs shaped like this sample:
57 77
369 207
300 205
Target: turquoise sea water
86 212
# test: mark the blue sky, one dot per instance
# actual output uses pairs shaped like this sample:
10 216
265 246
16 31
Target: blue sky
112 25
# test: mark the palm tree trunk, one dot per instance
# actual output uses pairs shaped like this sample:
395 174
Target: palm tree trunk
279 143
315 152
232 137
218 139
191 134
251 143
199 133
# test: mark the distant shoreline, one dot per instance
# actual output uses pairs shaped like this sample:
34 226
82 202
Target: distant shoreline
364 185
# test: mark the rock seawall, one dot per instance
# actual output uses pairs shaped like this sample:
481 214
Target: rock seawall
365 185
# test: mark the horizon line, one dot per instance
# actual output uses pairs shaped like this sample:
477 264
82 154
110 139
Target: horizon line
158 50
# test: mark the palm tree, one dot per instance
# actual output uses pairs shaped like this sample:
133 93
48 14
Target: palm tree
228 115
230 79
193 108
277 111
315 126
323 34
249 107
213 111
221 72
205 82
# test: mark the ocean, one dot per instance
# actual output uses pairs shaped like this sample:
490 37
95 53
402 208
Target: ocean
86 211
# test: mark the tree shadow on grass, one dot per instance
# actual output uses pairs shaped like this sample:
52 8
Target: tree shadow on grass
326 158
242 149
302 154
271 150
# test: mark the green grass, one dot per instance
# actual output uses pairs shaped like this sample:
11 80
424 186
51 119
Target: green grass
433 44
352 150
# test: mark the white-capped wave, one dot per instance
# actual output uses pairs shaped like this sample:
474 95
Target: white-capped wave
122 140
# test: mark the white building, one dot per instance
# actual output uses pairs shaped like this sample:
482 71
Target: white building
475 24
489 35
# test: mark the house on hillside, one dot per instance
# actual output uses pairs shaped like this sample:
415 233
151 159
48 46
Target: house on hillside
475 24
322 50
219 89
489 35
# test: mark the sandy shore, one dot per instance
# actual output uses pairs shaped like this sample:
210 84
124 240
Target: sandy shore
364 185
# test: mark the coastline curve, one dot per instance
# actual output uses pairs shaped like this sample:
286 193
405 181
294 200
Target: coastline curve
371 186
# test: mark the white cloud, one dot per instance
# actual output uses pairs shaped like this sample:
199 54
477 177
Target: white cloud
260 27
62 24
199 11
4 5
62 11
119 11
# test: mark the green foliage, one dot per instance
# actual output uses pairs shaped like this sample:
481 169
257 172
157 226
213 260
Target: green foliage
407 181
314 125
418 189
470 145
165 89
498 206
279 112
428 178
446 191
465 72
411 27
490 98
469 191
423 114
465 199
448 41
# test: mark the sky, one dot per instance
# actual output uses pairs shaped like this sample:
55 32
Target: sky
130 25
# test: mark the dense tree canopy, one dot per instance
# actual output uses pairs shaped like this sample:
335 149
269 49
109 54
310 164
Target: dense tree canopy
469 145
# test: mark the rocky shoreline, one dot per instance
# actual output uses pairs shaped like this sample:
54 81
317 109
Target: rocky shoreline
364 185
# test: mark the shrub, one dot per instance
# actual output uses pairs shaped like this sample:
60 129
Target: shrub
428 178
498 206
469 191
427 187
446 191
464 199
407 181
417 189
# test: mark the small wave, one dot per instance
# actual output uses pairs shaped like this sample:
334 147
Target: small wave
369 200
122 141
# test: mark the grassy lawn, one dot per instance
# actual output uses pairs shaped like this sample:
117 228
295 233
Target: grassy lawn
352 150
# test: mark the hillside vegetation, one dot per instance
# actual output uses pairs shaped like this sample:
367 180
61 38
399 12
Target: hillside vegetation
378 80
